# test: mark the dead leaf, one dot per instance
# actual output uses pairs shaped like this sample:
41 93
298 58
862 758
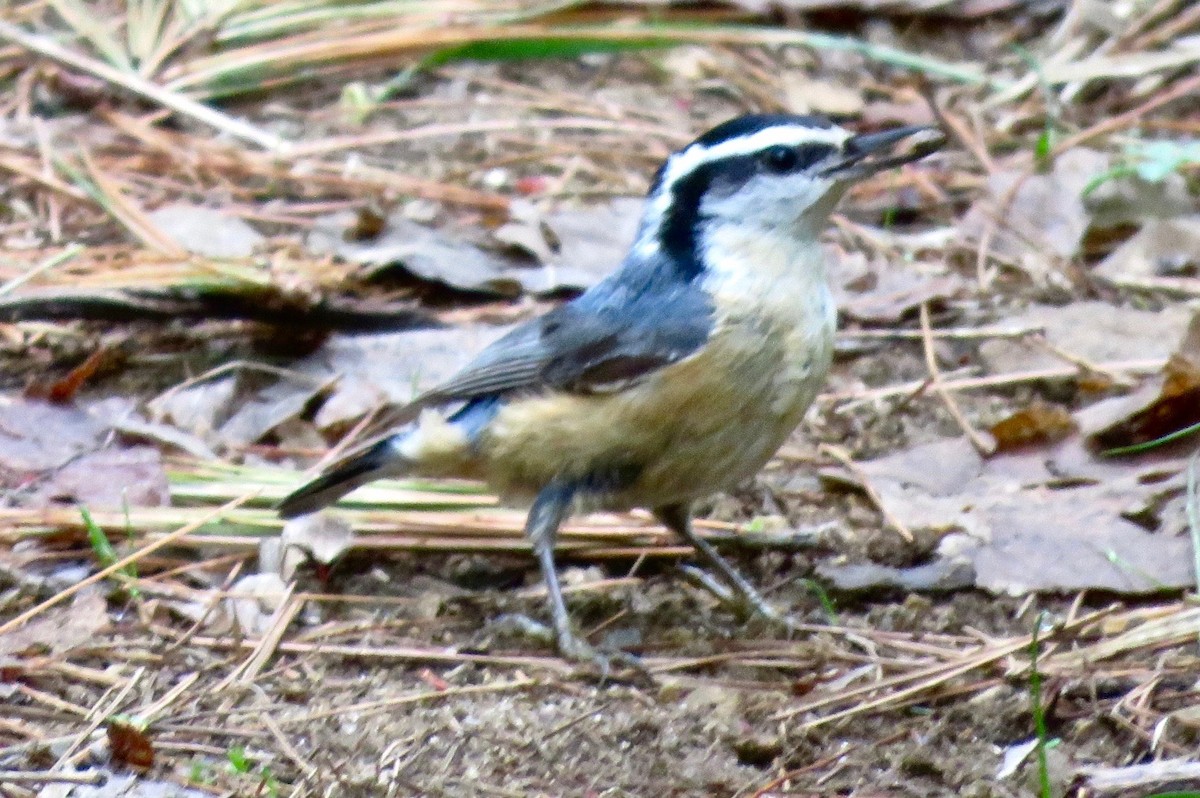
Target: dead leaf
877 291
121 785
266 409
1045 520
1174 406
1162 248
207 232
129 745
1133 200
390 368
938 576
321 537
1037 424
109 479
806 95
1091 330
199 409
59 628
1036 220
422 251
564 251
592 241
254 600
35 436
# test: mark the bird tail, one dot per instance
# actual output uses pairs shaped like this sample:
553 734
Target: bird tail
357 469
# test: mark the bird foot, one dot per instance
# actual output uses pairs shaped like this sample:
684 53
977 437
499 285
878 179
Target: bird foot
604 665
743 600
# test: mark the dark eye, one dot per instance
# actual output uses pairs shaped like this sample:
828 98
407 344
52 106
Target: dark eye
780 158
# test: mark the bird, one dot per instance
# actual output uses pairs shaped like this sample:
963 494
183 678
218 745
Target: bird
677 376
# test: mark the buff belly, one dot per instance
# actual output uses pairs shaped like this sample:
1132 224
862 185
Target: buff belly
696 427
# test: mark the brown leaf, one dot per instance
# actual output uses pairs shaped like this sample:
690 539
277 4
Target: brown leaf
878 292
129 745
1036 220
206 231
35 436
1046 520
59 629
1091 330
1175 407
107 480
1162 248
1039 423
321 537
62 391
567 250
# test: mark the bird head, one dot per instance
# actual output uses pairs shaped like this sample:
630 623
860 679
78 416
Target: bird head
773 173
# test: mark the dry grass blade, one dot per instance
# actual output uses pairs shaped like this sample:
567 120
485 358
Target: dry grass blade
112 196
173 100
899 690
304 53
113 568
387 515
1176 627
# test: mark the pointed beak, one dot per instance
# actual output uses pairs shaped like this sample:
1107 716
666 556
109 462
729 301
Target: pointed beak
868 153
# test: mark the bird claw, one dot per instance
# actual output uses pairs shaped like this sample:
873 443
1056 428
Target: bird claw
600 663
518 625
745 603
605 665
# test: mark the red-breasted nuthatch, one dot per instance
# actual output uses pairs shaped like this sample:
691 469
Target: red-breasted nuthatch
677 376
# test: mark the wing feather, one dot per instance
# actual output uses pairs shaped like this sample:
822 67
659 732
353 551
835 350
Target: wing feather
609 337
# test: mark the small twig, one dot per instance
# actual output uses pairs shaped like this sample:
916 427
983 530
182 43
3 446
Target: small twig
47 180
1143 779
50 777
571 722
211 603
1082 362
235 365
959 130
350 438
261 304
51 700
285 744
995 380
385 704
1193 516
151 711
958 333
99 716
388 653
843 457
283 616
984 447
1131 117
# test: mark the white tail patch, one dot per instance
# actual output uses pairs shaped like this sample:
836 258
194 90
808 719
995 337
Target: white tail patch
434 445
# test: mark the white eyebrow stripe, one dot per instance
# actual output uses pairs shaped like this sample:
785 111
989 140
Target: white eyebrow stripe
687 161
697 155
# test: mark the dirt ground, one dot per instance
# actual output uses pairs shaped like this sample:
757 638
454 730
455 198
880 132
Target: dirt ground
393 677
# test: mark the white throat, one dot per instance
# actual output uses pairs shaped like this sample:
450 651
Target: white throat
776 274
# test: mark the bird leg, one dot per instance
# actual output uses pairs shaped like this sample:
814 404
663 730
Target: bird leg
547 514
678 518
549 510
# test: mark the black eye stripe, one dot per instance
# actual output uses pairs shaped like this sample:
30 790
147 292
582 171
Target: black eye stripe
779 158
782 159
